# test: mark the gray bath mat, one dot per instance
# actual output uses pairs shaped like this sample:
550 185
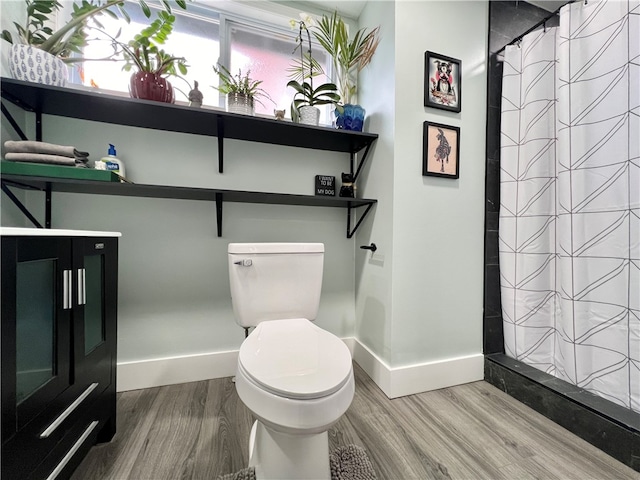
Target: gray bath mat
347 463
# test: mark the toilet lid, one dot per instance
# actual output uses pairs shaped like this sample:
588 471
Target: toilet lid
295 359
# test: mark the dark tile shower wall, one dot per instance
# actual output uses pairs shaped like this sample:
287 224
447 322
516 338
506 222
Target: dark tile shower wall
507 20
608 426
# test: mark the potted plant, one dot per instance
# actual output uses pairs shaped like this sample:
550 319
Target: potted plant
39 54
241 90
349 57
304 106
152 64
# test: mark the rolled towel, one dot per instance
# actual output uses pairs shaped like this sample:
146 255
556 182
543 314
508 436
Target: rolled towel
45 158
28 146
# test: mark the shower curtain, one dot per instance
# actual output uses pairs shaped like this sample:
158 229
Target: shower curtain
570 199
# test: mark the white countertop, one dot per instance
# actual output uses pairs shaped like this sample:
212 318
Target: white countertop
51 232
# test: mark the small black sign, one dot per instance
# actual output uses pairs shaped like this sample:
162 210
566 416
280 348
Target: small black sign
325 185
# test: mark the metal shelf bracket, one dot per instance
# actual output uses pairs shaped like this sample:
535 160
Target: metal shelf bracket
220 146
351 232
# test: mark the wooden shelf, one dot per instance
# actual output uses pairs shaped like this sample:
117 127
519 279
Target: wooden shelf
70 185
101 107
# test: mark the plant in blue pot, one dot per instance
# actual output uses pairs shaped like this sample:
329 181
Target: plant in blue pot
349 56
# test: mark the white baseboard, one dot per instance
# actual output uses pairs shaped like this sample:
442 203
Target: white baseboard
394 382
422 377
169 371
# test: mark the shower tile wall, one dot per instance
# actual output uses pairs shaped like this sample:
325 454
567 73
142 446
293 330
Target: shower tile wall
507 20
604 424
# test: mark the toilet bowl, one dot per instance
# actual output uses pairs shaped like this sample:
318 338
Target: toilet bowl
296 378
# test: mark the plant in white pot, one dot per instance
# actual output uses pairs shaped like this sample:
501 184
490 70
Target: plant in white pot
349 57
241 90
40 54
304 108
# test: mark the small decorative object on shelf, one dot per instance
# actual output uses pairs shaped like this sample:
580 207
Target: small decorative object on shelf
351 117
349 57
279 114
325 185
195 96
241 90
39 54
306 97
153 64
348 188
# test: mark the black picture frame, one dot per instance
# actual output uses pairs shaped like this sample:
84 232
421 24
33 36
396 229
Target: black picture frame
442 82
441 150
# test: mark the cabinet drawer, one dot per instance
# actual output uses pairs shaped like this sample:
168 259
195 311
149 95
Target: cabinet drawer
45 433
69 452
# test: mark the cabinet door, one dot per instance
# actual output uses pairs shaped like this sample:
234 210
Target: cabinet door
36 294
95 304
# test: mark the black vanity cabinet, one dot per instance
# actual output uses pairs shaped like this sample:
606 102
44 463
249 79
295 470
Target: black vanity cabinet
59 314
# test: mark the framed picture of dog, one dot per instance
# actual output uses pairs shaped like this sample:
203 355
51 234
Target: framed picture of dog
441 150
442 82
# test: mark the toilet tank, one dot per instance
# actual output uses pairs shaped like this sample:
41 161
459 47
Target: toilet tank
275 281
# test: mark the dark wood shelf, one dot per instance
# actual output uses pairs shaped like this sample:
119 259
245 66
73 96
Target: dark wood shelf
70 185
102 107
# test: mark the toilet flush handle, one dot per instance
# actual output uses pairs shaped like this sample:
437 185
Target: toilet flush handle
247 262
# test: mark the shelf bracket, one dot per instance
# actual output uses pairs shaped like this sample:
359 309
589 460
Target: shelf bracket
219 213
351 232
13 122
21 206
47 206
220 145
361 163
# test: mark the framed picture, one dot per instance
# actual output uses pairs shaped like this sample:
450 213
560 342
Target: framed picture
442 82
441 150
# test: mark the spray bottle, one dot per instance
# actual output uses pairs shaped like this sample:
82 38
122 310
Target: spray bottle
112 163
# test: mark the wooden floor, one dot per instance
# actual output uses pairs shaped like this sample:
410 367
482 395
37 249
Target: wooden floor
201 430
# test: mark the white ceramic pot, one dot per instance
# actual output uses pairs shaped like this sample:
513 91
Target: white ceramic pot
309 115
239 103
33 65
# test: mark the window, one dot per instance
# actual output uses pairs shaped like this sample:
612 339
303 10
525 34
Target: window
199 36
268 55
188 30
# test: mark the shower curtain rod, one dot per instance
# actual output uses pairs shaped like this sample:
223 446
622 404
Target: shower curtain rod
537 25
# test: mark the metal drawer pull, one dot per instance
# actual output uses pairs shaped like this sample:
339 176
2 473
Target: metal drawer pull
66 289
82 295
69 410
72 451
70 291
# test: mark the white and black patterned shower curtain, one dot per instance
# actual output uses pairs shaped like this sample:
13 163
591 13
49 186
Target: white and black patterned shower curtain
570 199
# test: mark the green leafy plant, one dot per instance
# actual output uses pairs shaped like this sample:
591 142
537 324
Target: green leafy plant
349 56
71 37
303 71
143 52
239 84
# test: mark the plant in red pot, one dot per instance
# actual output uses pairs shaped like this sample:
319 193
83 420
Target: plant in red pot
153 64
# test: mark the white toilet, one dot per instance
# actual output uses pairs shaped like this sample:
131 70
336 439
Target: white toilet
296 378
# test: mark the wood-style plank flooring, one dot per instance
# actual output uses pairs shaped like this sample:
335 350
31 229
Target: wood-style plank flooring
201 430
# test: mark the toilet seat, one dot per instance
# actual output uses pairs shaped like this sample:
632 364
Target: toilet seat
295 359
